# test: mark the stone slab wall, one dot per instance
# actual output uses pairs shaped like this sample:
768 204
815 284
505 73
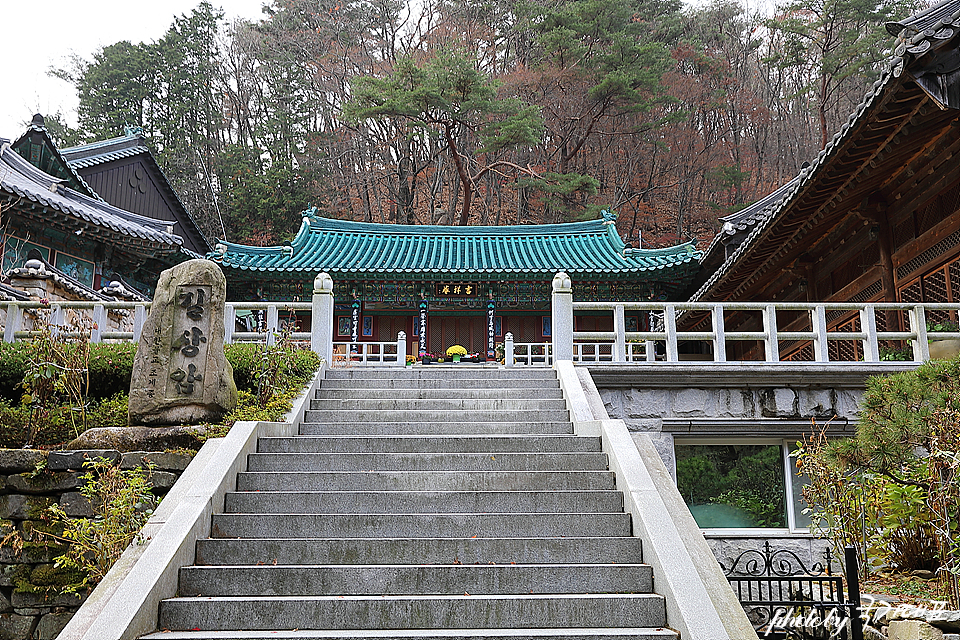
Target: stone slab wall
30 602
665 413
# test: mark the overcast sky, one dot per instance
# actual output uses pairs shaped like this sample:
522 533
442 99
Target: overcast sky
38 36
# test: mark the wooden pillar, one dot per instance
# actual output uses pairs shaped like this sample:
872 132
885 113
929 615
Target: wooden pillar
876 212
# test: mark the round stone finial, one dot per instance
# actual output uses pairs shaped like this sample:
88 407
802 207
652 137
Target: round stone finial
323 283
36 265
562 282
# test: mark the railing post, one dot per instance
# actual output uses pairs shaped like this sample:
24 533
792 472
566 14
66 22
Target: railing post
670 326
620 328
229 322
868 324
402 349
853 591
321 324
771 345
562 320
99 320
719 334
14 320
508 350
139 317
273 323
56 320
918 326
818 321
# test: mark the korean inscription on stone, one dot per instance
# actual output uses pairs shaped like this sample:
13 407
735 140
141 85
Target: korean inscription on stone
189 345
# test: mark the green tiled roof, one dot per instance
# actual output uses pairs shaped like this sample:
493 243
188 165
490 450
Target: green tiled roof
482 253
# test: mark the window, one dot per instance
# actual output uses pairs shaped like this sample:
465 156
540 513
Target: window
740 484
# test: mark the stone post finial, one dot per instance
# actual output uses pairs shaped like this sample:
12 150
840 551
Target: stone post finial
323 283
321 323
562 317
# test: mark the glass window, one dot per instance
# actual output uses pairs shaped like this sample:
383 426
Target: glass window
737 486
799 519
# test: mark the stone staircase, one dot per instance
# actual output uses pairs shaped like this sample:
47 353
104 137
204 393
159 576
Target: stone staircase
427 502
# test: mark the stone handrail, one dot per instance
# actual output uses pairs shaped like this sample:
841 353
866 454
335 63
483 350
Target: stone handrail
699 601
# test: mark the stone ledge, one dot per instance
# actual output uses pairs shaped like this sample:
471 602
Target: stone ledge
740 374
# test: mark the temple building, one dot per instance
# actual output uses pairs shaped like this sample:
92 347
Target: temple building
455 281
112 179
875 216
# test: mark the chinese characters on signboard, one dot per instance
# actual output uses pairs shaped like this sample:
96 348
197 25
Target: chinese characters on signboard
422 320
188 357
457 290
491 330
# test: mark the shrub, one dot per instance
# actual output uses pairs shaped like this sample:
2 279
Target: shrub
111 365
246 360
893 489
122 503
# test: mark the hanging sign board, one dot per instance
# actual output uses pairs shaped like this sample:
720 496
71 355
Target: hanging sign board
457 290
491 332
422 319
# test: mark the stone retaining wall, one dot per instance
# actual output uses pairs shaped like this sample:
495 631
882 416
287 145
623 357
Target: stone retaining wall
30 481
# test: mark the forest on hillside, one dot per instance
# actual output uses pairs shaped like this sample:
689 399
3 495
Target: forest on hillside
485 112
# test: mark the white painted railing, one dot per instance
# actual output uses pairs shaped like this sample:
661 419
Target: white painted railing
604 351
769 333
619 345
527 353
347 354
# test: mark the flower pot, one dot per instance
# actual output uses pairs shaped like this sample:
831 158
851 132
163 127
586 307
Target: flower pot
425 360
944 349
456 358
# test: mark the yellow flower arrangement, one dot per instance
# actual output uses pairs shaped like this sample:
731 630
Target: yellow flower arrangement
456 350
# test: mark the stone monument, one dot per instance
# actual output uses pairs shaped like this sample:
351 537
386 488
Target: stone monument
180 374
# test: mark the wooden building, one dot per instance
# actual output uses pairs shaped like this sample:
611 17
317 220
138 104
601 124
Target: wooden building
459 277
116 203
876 215
77 235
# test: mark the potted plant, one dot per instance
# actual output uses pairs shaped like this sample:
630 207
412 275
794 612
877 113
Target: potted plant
943 348
456 352
426 357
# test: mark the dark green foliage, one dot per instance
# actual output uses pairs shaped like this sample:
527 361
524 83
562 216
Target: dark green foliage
896 416
246 358
110 368
749 477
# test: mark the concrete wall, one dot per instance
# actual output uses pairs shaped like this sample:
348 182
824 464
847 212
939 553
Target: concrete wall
29 606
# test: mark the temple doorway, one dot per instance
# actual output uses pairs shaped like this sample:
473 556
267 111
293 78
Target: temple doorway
470 332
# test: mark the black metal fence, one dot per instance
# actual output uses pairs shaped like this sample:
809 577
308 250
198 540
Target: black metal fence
785 598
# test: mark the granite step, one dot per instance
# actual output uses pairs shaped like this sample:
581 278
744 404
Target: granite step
432 405
428 415
423 634
426 461
410 502
416 427
465 611
426 480
319 580
436 444
467 551
443 525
